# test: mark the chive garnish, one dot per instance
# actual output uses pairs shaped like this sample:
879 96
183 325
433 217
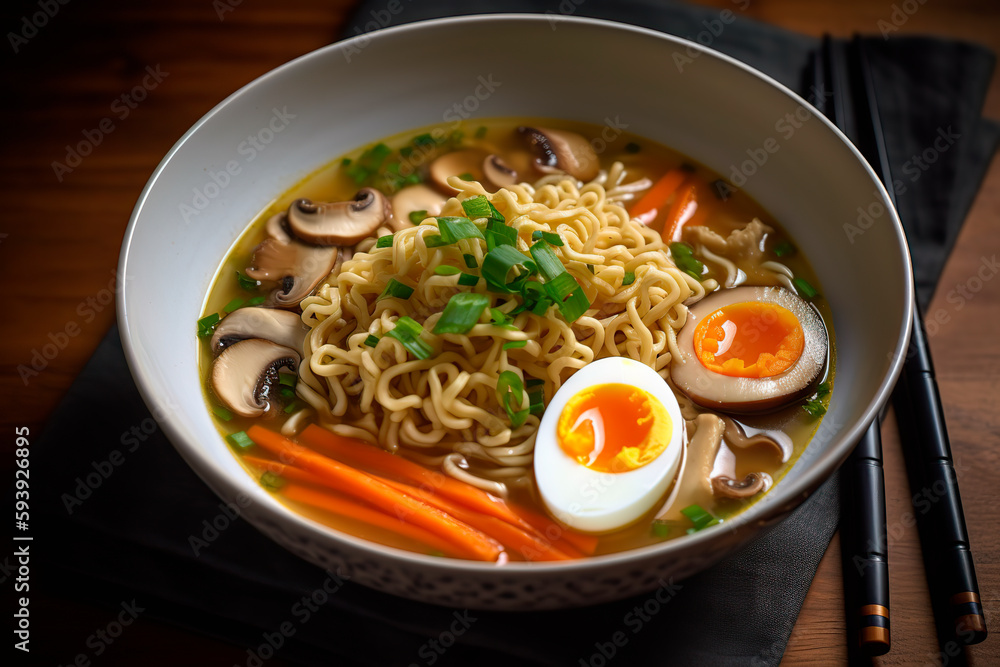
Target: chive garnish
446 270
240 439
407 332
699 516
235 304
803 286
346 162
371 341
246 282
288 379
453 230
784 249
384 241
683 256
466 176
206 325
468 280
549 237
628 278
462 313
660 528
416 217
256 301
470 261
514 344
480 132
271 482
510 394
396 289
293 407
222 413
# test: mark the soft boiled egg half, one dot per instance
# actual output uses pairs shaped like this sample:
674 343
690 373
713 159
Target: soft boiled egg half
608 446
749 349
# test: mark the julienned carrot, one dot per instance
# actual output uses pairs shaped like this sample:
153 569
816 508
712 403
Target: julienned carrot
679 213
380 462
351 509
356 483
525 542
289 472
384 464
658 195
564 538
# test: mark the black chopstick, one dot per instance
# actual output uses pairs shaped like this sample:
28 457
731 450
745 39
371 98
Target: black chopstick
862 529
948 562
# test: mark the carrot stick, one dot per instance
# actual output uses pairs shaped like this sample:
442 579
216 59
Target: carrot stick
384 464
290 473
525 542
361 485
567 539
351 509
683 208
658 195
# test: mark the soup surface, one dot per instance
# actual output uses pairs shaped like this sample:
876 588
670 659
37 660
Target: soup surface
389 346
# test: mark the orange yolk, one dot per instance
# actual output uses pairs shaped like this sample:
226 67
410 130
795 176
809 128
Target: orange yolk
751 340
613 428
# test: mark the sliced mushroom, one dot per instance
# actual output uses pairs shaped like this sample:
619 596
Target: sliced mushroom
778 440
243 373
341 223
278 326
298 268
749 486
414 198
466 163
498 172
561 151
694 478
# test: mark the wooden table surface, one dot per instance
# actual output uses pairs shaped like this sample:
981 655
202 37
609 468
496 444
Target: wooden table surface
61 231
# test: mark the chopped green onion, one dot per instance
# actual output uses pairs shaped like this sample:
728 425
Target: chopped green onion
814 407
207 324
823 389
498 234
286 392
480 132
222 413
384 241
470 261
288 379
293 407
466 176
683 256
396 289
501 319
536 398
549 265
468 280
247 283
660 528
407 332
500 262
235 304
534 382
628 278
453 230
514 344
477 207
699 516
462 313
575 303
632 148
256 301
424 139
371 341
406 151
549 237
271 482
346 162
510 394
446 270
241 439
416 217
369 163
784 249
412 179
541 306
807 290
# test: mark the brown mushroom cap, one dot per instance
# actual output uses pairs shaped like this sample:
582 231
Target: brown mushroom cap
468 161
498 172
412 198
299 268
242 374
750 485
278 326
562 151
341 223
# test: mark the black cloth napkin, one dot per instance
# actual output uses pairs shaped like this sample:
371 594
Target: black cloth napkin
117 507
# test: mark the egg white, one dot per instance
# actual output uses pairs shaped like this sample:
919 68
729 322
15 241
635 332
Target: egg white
597 502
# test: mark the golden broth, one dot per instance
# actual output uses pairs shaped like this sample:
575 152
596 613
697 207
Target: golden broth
642 158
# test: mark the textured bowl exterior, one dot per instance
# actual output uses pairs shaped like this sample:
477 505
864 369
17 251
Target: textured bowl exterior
281 127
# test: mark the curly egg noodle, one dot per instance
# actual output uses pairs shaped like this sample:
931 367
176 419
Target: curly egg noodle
444 410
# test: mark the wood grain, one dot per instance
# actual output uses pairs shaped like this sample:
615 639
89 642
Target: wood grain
59 243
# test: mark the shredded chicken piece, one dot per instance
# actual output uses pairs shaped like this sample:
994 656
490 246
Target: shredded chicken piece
744 242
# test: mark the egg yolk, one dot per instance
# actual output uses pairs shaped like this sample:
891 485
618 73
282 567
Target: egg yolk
614 428
752 339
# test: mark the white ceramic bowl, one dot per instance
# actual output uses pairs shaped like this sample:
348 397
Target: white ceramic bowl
264 138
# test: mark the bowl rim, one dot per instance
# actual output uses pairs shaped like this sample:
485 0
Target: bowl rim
788 496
